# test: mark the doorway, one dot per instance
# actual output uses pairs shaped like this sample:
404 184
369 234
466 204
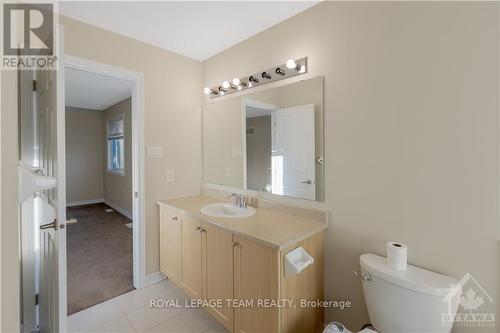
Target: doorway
104 182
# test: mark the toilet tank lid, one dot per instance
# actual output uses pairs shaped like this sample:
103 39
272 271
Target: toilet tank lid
414 278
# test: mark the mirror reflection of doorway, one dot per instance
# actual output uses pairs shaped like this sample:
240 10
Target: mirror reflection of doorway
280 150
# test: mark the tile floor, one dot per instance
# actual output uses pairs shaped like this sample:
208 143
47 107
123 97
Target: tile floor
131 312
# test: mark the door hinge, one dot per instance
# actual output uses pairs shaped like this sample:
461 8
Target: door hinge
36 299
34 85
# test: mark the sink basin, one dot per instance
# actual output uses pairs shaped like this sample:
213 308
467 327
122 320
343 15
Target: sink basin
226 210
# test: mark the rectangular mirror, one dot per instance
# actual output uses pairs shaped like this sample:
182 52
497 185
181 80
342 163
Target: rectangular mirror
268 141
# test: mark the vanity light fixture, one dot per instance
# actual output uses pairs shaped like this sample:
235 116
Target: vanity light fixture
265 75
209 91
253 79
298 67
290 63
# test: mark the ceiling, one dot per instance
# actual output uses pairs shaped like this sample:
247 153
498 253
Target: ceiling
195 29
93 91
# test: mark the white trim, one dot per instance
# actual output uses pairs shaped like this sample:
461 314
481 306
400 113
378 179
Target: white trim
138 210
154 278
62 291
119 209
116 172
84 202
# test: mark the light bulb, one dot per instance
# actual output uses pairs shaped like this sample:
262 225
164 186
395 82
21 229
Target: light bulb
250 84
221 93
207 91
225 84
290 63
239 87
236 81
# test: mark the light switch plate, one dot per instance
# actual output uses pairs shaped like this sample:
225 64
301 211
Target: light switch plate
236 152
170 176
154 152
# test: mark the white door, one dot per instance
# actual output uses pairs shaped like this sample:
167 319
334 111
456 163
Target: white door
43 215
293 153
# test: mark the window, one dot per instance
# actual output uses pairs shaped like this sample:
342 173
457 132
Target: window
115 145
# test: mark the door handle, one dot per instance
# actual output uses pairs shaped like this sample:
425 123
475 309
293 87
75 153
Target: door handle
307 182
52 225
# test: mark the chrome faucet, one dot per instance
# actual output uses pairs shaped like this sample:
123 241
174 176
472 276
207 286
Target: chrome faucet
240 200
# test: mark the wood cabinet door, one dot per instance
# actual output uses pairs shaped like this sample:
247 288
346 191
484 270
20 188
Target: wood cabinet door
170 243
218 272
191 270
256 276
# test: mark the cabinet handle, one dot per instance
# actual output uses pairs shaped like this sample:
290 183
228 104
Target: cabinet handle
202 230
235 244
197 229
174 218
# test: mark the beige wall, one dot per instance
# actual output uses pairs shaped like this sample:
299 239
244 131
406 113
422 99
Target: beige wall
9 224
411 131
118 188
84 154
172 86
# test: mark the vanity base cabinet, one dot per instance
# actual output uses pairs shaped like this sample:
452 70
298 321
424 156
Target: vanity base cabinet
256 277
191 258
170 243
218 272
214 264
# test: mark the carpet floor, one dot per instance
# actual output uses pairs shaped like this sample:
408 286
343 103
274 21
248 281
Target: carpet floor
99 256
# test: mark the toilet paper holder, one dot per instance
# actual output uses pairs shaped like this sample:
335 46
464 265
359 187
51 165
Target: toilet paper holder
296 261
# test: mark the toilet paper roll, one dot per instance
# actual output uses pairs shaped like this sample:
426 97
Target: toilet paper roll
397 255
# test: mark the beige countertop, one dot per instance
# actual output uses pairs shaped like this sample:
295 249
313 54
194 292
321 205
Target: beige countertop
267 226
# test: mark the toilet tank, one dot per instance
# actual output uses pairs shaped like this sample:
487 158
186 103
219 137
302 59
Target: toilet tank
413 300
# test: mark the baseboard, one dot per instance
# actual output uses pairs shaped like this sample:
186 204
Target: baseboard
118 209
83 202
154 278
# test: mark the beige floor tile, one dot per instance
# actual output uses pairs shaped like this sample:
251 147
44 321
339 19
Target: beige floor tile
216 330
146 318
198 320
120 324
94 316
139 298
173 325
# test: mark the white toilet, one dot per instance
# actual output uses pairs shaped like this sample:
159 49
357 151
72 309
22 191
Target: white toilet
414 300
411 300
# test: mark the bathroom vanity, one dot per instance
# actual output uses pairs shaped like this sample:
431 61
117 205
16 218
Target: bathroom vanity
240 261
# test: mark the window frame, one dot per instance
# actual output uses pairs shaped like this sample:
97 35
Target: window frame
118 172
